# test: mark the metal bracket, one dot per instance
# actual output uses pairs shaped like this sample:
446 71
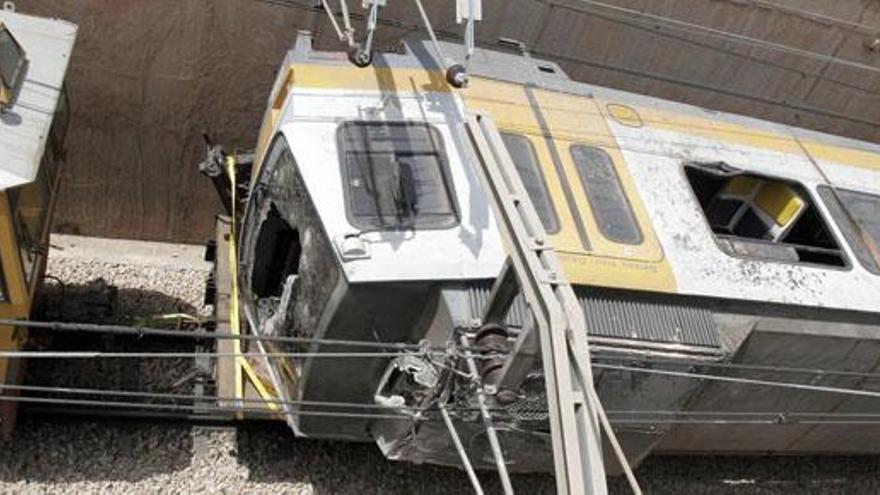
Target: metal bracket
575 411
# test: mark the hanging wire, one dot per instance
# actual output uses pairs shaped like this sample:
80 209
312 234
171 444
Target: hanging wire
181 397
191 408
180 355
491 44
200 401
134 331
43 389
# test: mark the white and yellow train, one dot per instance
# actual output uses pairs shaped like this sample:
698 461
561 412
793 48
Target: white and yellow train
691 236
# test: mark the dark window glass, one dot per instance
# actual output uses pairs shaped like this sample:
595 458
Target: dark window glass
862 208
11 58
526 161
395 176
602 186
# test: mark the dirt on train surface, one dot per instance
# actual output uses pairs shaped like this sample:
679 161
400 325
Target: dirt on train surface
112 281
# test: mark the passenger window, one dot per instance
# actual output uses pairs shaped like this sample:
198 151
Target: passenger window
859 219
526 162
395 176
763 217
601 184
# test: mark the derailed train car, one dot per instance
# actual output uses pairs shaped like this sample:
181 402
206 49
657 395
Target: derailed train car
694 240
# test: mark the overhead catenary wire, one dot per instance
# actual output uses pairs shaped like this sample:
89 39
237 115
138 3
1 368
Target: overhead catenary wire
199 400
183 355
203 403
137 331
617 416
189 408
403 347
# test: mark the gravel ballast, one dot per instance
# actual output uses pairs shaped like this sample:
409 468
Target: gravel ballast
65 455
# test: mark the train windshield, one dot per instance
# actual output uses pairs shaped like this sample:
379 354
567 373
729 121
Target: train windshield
396 176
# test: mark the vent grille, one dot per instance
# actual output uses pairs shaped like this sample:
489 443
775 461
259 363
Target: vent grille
640 317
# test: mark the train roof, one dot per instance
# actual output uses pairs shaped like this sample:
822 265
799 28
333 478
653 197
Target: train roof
24 127
520 68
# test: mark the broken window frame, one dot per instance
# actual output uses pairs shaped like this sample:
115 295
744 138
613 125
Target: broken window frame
378 222
722 169
249 237
844 218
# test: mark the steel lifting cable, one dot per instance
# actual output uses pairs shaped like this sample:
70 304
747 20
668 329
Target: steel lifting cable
345 34
681 26
640 73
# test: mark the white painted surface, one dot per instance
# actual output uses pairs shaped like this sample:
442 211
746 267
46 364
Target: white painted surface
24 127
472 249
655 158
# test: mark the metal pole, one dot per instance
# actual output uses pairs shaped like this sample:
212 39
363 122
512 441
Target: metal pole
487 421
475 482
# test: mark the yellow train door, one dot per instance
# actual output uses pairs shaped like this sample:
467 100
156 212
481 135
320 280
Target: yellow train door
592 209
